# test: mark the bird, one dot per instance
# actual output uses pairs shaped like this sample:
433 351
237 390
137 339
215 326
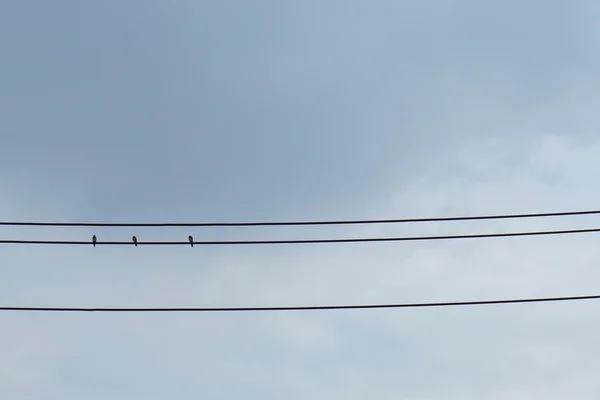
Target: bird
191 239
134 240
94 240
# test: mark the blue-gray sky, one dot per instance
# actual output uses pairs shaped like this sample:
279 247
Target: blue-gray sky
271 110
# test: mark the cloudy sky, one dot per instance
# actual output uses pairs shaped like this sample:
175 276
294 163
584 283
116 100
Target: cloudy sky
144 111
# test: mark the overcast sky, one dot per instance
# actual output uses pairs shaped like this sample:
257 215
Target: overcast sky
144 111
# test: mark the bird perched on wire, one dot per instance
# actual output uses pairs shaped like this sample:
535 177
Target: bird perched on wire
191 239
134 240
94 240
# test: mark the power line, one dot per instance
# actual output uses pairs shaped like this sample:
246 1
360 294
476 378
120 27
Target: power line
305 241
291 223
299 308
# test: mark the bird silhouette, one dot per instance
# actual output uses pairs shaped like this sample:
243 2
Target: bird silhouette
94 240
191 239
134 240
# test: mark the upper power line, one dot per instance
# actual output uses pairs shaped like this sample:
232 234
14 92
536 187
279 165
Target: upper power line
297 308
94 242
292 223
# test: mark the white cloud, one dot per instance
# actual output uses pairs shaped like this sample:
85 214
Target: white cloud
436 353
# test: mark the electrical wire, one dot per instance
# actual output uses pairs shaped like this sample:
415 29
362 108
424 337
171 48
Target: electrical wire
304 241
299 308
291 223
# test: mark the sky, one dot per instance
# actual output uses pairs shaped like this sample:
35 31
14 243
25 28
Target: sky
271 110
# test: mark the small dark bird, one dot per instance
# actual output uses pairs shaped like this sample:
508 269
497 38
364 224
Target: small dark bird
134 240
94 240
191 239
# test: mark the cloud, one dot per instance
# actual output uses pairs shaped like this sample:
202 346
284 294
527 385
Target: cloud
435 353
299 111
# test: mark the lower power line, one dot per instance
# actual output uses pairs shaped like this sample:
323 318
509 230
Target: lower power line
300 308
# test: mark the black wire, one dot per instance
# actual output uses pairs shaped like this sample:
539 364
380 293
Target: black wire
290 223
299 308
308 241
